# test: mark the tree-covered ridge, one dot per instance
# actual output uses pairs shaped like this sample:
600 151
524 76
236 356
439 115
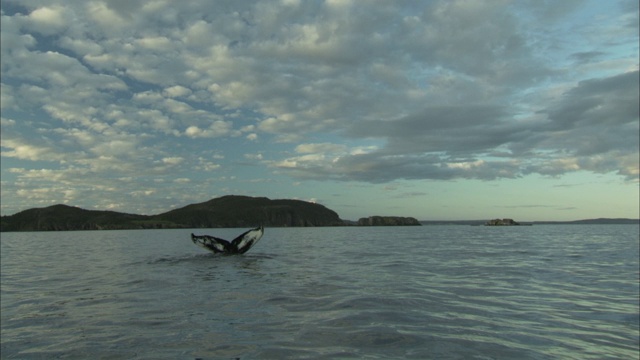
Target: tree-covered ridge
226 211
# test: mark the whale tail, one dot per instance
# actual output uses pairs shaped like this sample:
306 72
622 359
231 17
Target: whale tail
246 240
239 245
211 243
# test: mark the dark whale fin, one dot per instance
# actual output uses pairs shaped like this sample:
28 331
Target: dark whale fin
239 245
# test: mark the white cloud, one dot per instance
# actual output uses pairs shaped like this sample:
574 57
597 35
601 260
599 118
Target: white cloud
253 156
173 160
320 148
207 165
176 91
23 151
108 19
7 99
48 20
217 128
177 107
337 90
82 47
157 43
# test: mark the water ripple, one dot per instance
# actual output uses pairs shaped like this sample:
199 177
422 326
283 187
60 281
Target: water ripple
448 292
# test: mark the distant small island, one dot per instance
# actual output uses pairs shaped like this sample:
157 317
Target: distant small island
503 222
388 221
598 221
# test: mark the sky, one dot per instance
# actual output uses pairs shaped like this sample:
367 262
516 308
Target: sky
439 110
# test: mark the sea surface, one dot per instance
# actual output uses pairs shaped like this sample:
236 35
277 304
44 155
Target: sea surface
430 292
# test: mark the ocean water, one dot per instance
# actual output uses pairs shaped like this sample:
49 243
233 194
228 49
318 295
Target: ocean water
430 292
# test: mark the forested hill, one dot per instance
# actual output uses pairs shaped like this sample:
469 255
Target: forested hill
226 211
63 217
243 211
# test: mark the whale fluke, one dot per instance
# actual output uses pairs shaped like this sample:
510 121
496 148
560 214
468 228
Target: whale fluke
239 245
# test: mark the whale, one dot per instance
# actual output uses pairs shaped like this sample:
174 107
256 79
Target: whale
240 245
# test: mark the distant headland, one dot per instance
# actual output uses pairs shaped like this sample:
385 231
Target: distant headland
223 212
388 221
227 212
598 221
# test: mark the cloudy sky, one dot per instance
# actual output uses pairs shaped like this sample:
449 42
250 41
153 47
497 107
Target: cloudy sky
453 109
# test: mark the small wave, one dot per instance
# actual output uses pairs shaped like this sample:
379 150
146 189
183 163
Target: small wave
178 259
206 257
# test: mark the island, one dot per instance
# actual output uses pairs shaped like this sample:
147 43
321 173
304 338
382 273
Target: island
388 221
503 222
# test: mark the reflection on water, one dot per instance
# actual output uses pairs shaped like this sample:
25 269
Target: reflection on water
539 292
